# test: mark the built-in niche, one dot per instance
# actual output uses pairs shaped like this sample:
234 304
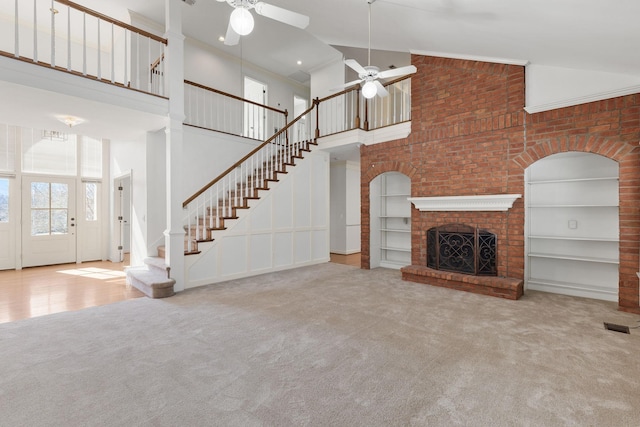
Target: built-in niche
572 225
390 229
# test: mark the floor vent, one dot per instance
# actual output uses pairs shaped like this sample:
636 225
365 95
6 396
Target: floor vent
617 328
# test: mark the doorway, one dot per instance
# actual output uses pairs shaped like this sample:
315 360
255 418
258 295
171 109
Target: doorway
49 221
254 115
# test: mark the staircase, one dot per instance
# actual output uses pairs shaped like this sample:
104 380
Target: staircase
212 208
215 217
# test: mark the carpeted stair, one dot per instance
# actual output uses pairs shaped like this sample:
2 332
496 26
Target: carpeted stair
153 279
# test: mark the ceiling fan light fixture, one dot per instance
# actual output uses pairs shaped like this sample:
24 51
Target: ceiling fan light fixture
242 21
369 90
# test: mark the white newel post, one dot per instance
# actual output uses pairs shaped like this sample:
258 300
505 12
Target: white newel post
174 234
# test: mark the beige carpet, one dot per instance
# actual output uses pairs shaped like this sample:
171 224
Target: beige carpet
328 345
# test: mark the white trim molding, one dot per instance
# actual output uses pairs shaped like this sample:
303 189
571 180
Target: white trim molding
532 109
507 61
491 202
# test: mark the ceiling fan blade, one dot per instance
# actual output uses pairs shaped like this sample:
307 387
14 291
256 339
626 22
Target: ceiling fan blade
231 38
353 64
282 15
342 86
382 92
397 72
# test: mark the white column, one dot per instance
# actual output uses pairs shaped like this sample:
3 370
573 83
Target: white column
174 234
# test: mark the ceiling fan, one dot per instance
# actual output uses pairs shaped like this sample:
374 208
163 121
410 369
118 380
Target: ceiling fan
369 76
241 20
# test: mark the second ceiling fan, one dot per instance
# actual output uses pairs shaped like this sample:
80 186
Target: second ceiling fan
241 21
370 75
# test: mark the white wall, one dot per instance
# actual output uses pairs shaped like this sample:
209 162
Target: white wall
327 78
549 88
216 69
287 228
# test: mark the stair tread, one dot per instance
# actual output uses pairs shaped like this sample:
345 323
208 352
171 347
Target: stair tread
154 279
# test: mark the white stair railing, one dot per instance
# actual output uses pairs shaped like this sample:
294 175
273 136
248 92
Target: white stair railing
69 37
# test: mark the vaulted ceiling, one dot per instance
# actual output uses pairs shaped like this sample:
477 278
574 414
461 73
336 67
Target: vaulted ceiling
583 34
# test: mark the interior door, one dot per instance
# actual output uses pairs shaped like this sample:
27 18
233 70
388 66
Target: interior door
48 221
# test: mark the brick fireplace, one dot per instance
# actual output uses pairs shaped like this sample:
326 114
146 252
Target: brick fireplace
470 136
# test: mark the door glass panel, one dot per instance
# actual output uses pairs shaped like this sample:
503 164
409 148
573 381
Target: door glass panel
4 200
39 222
90 201
59 195
59 221
40 195
49 208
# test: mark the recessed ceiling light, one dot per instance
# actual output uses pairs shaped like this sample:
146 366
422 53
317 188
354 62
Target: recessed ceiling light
221 38
299 62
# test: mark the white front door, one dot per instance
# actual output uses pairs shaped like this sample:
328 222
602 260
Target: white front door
48 221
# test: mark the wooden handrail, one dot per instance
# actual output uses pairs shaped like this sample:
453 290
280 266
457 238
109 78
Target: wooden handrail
357 85
219 92
251 153
111 20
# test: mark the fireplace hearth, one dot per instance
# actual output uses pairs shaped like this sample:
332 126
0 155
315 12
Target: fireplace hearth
462 249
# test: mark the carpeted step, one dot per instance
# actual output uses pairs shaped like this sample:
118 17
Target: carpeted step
153 279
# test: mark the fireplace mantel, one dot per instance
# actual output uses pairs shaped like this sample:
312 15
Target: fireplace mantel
492 202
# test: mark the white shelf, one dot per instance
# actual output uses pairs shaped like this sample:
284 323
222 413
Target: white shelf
555 181
573 206
391 222
575 258
393 264
586 239
576 289
388 248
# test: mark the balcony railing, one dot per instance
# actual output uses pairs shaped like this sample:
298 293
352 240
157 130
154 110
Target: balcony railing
213 109
349 110
66 36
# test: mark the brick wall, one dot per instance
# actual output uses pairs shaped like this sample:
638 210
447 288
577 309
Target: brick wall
471 136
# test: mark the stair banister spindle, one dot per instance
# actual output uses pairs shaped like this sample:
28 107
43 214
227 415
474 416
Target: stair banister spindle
16 31
35 31
235 185
224 198
212 198
98 53
216 207
203 222
188 229
113 55
84 43
68 38
53 35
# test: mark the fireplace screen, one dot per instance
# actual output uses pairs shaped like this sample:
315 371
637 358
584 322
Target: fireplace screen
462 249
